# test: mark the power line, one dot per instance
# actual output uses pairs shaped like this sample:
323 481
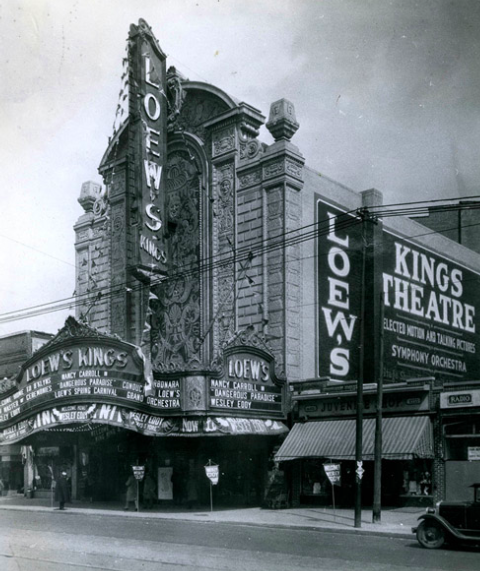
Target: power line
69 302
209 264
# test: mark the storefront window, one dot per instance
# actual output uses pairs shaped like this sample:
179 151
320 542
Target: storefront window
462 440
417 478
315 484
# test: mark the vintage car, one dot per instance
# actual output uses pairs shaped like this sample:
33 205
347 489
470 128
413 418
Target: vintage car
451 522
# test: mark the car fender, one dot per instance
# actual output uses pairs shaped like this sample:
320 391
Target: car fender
448 528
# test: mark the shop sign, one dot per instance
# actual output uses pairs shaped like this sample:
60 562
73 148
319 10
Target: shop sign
149 88
138 472
212 474
78 417
430 322
247 386
333 473
347 405
460 399
473 453
339 273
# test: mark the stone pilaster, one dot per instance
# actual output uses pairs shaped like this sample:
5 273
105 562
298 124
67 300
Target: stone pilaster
230 134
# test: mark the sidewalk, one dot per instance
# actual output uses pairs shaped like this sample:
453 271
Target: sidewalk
395 522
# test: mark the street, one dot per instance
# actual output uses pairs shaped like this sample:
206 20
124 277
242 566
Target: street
65 541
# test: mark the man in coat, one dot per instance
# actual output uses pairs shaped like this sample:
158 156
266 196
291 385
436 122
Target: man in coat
61 491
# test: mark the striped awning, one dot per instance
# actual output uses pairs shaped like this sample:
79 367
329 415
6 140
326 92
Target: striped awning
403 438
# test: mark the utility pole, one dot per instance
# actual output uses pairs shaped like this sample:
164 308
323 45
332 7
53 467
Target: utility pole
359 417
377 476
370 355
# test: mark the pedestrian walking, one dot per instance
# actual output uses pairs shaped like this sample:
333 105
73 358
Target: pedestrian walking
148 491
131 495
61 491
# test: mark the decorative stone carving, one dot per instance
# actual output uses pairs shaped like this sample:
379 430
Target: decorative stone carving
195 393
74 329
274 169
223 141
89 194
250 149
294 169
6 384
225 195
197 109
249 179
176 316
175 97
282 122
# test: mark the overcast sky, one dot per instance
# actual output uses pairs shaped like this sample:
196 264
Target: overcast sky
387 95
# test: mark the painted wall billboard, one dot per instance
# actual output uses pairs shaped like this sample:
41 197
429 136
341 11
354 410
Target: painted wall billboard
430 314
339 263
430 317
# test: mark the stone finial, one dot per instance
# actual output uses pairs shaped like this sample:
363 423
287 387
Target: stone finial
282 122
90 192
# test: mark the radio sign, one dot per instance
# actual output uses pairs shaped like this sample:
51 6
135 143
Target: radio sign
460 399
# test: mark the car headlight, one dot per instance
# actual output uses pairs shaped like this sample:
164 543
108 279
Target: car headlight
430 510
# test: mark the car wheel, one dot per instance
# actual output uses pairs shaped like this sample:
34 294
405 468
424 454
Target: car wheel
430 535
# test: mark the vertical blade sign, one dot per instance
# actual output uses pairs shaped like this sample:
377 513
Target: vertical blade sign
339 292
150 113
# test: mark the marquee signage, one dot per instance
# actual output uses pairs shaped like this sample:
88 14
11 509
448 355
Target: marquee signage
339 265
246 386
430 320
83 417
148 85
90 372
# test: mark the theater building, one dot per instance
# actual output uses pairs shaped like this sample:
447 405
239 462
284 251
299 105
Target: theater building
226 293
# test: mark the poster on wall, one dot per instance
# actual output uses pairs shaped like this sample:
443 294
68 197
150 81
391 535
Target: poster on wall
339 269
473 453
430 321
164 483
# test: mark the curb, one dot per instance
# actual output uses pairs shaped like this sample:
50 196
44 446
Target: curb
144 515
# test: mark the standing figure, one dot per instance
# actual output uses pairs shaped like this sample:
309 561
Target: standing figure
131 496
148 491
61 491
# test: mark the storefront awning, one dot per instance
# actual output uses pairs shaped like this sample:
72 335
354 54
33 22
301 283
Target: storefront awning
404 438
